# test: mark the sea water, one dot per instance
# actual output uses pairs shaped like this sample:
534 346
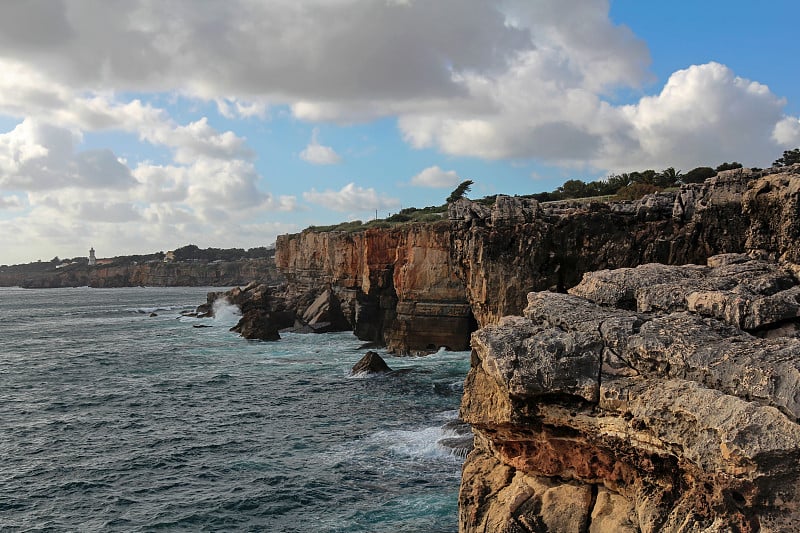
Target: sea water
115 420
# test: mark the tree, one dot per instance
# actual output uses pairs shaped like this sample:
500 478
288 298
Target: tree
459 192
729 166
573 189
790 157
698 175
668 177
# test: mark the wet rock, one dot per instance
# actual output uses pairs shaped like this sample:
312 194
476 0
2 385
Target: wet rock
371 363
256 324
151 315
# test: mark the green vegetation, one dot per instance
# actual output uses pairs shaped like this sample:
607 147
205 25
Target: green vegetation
459 192
405 216
790 157
193 253
625 186
729 166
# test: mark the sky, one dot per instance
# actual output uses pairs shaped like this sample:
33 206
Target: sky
137 126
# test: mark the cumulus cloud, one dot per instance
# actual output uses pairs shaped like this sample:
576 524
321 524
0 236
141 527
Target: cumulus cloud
494 80
351 198
317 154
787 132
704 113
436 177
36 156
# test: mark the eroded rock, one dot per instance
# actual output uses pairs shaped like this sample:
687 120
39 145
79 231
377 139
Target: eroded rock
371 363
626 407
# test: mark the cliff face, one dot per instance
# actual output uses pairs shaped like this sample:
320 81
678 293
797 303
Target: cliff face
654 399
394 286
418 287
220 274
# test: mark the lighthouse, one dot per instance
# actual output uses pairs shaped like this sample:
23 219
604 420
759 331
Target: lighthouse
92 258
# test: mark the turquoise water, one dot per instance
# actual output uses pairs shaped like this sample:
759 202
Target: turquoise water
113 420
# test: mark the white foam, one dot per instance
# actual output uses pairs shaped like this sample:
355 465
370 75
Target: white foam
225 312
421 443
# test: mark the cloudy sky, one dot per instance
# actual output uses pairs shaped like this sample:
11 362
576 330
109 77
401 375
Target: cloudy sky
139 126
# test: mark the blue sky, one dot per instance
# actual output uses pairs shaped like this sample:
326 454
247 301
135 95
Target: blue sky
141 126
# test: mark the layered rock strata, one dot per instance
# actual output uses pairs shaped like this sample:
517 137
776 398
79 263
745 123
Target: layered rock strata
418 287
395 286
653 399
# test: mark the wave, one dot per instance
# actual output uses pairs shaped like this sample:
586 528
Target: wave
155 309
450 440
225 312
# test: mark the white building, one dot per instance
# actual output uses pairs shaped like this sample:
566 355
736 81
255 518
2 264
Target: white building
92 258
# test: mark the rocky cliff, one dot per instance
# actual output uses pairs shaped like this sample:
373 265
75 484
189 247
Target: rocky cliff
395 286
417 287
652 399
152 274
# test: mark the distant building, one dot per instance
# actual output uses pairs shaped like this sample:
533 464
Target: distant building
169 257
92 258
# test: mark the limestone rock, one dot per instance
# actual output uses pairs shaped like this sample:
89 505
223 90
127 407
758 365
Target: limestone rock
746 292
371 363
626 407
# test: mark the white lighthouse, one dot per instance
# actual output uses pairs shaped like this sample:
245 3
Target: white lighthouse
92 258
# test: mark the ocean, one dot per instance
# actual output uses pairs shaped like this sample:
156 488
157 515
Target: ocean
115 420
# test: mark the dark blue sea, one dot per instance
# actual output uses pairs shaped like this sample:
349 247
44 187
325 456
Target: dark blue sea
115 420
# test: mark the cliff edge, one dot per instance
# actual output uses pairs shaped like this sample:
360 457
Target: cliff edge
418 287
650 399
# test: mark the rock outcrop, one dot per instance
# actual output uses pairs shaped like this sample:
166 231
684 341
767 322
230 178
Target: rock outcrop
264 311
395 286
371 363
654 399
417 287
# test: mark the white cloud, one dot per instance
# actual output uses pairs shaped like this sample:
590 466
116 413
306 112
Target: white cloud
317 154
10 203
436 177
533 80
787 132
704 114
232 107
36 156
351 198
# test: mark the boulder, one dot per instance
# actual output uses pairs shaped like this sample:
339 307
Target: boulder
371 363
325 314
256 324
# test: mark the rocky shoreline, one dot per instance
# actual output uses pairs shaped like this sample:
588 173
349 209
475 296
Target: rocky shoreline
638 363
415 288
653 399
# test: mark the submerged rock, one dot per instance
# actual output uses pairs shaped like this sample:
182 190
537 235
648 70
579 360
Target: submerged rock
371 363
629 406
